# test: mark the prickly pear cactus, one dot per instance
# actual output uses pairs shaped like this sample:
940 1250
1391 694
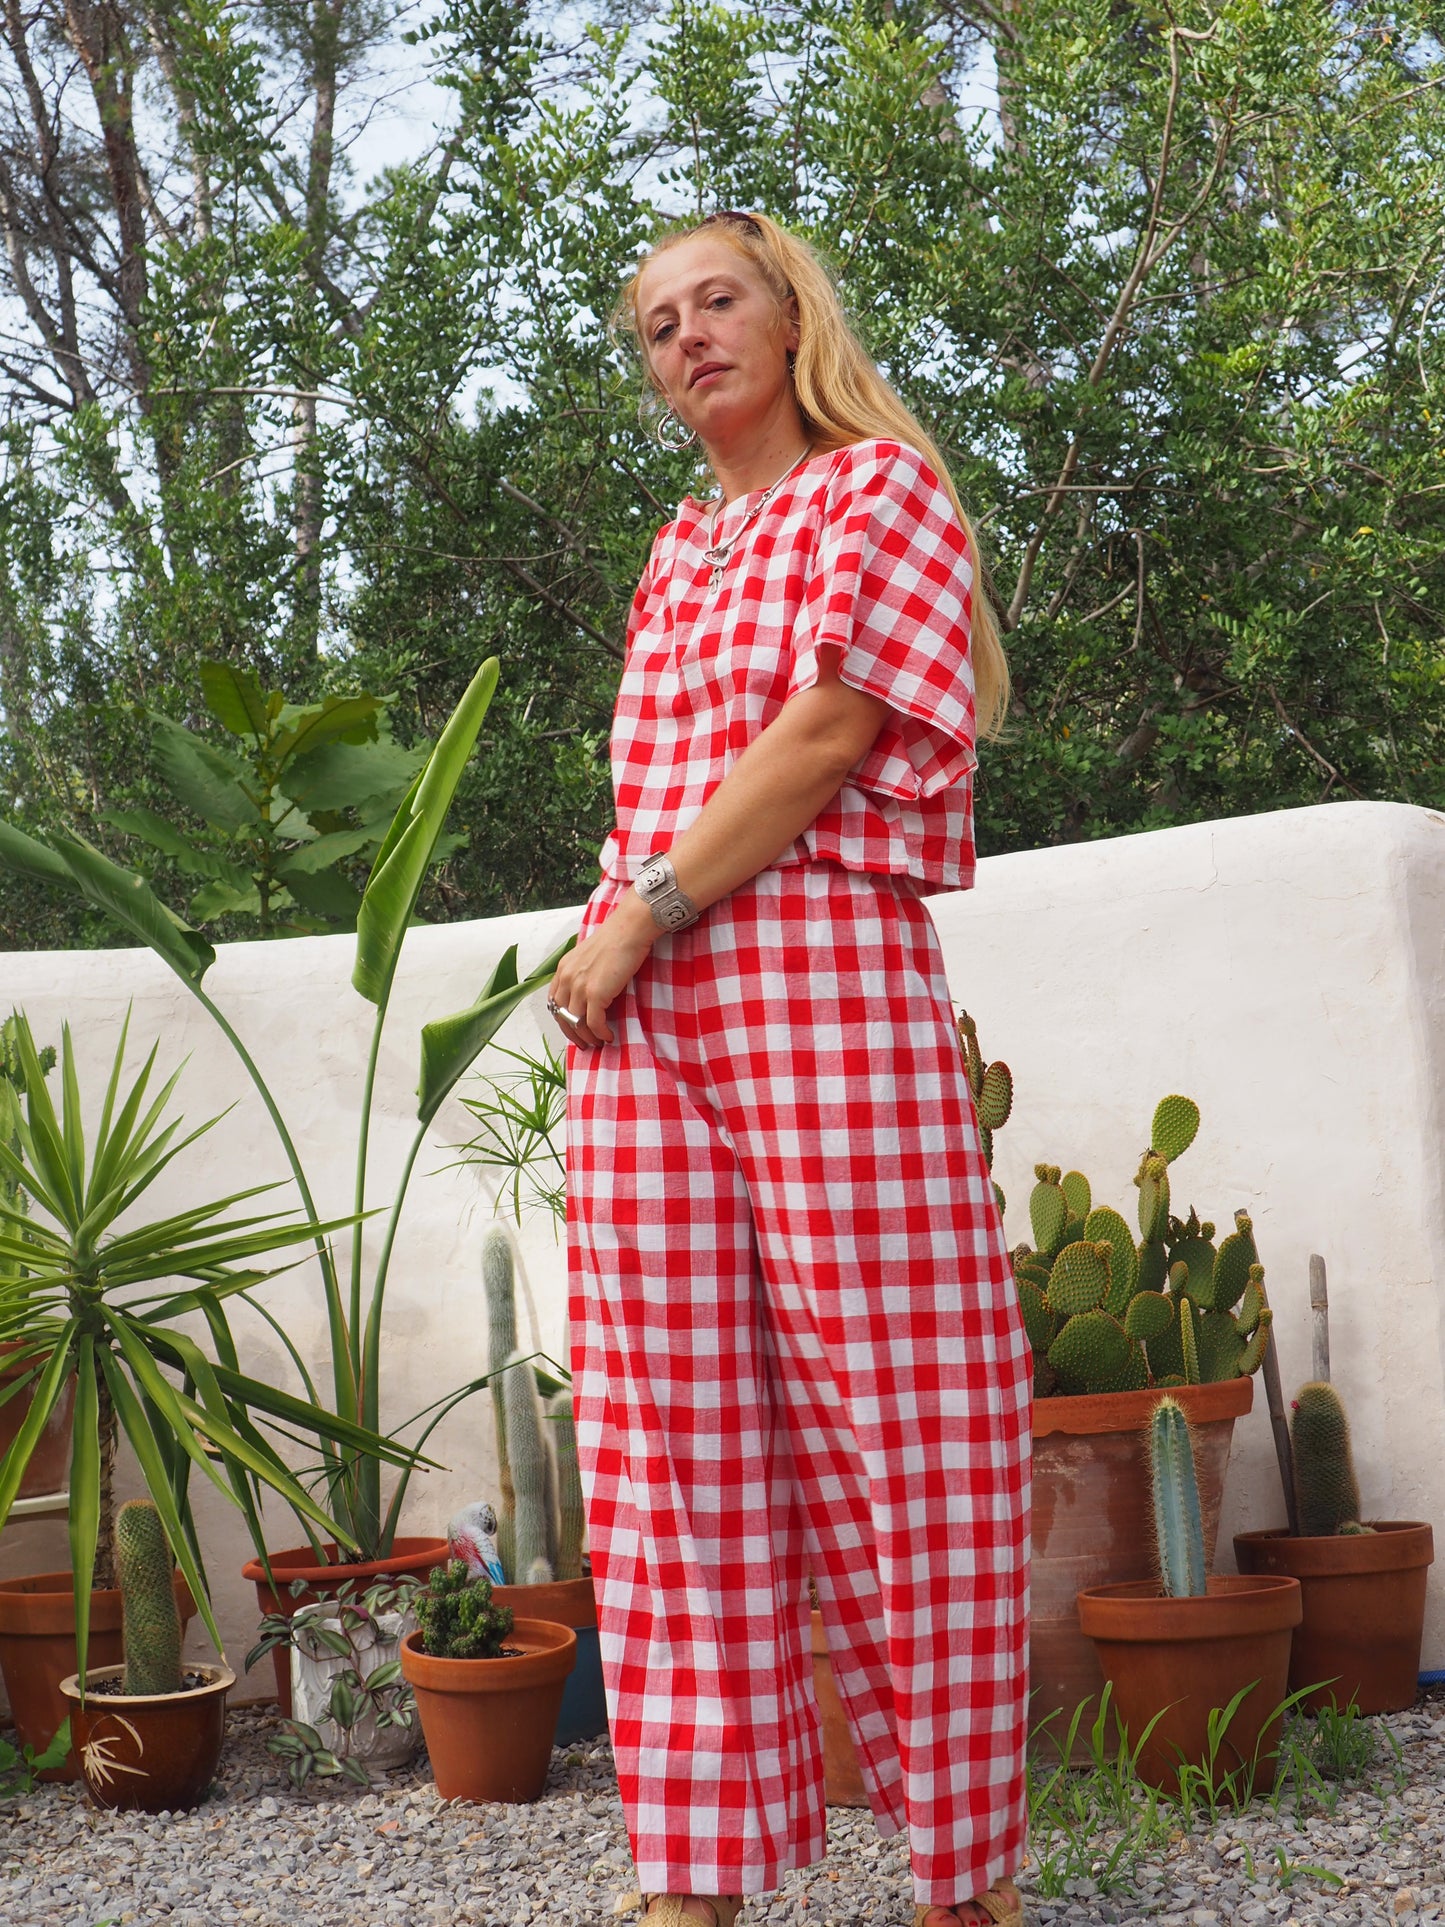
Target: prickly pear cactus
1180 1309
993 1091
150 1623
1327 1493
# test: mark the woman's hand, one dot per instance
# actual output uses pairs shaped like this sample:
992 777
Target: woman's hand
591 977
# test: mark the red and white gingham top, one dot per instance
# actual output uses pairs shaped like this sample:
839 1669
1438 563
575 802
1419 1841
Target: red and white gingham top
860 551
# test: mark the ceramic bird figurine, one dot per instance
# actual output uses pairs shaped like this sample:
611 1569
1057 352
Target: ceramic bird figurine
471 1535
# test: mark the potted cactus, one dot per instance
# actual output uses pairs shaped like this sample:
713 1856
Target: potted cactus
148 1733
1112 1321
1180 1646
488 1688
540 1522
1363 1585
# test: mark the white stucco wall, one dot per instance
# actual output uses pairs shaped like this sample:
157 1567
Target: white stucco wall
1287 971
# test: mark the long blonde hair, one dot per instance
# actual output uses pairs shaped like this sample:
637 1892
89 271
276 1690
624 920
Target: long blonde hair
842 397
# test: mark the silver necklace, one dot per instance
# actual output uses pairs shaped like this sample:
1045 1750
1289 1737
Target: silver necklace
717 556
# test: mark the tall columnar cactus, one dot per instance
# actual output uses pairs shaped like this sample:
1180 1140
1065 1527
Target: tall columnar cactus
540 1527
1327 1494
571 1521
151 1625
527 1454
1178 1522
1171 1310
498 1281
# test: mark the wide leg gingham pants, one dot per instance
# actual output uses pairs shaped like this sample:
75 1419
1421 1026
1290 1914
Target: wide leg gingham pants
797 1351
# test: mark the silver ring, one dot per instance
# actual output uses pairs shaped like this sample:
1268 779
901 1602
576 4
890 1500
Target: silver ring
558 1010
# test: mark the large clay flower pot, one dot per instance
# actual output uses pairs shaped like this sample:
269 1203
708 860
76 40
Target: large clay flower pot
37 1650
1092 1524
1364 1610
842 1775
488 1723
49 1466
568 1602
1183 1658
152 1751
410 1559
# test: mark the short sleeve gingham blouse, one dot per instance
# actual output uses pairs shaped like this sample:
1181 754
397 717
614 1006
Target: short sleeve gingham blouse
861 552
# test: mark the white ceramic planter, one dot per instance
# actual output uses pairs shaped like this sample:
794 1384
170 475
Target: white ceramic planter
311 1679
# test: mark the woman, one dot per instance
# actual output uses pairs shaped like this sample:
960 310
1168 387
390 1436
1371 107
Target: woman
797 1346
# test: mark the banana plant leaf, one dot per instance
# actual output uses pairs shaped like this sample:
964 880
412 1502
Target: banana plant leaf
451 1045
401 863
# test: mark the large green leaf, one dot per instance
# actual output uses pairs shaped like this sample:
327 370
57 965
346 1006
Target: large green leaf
345 719
129 901
175 844
210 781
450 1046
340 776
235 698
401 863
27 858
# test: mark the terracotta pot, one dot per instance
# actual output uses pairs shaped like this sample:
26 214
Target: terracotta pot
49 1467
569 1602
1182 1658
410 1558
488 1723
152 1751
1092 1524
1364 1610
842 1775
37 1650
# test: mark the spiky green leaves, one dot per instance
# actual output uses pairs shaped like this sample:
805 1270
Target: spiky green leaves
1039 1322
1105 1226
1089 1349
1232 1264
1048 1210
1152 1179
1077 1195
1176 1120
1079 1281
1150 1315
996 1097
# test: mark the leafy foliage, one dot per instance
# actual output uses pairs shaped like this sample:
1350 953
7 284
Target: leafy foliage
1166 283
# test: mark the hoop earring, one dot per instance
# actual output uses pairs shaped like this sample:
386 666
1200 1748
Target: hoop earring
673 434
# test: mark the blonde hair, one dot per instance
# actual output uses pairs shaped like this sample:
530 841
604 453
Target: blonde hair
842 398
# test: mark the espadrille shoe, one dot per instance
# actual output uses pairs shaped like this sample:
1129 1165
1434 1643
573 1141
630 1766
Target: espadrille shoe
665 1910
1003 1903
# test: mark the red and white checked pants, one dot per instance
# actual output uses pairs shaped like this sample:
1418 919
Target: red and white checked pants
797 1349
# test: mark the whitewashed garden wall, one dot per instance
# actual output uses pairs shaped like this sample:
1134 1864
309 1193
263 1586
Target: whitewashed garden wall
1287 971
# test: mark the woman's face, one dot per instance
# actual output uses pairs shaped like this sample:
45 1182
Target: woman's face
714 338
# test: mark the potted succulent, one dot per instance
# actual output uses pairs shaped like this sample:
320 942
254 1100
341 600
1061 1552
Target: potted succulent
94 1314
353 1713
1178 1648
1111 1321
1363 1585
488 1688
148 1733
365 1544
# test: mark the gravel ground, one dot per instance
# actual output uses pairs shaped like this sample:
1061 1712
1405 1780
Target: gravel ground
259 1852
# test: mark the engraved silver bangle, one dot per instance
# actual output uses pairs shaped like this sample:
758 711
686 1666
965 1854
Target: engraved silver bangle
656 883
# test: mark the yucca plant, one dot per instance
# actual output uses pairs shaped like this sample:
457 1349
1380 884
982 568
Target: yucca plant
97 1306
352 1471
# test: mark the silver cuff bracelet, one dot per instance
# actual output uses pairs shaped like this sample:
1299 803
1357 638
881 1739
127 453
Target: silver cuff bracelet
656 884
